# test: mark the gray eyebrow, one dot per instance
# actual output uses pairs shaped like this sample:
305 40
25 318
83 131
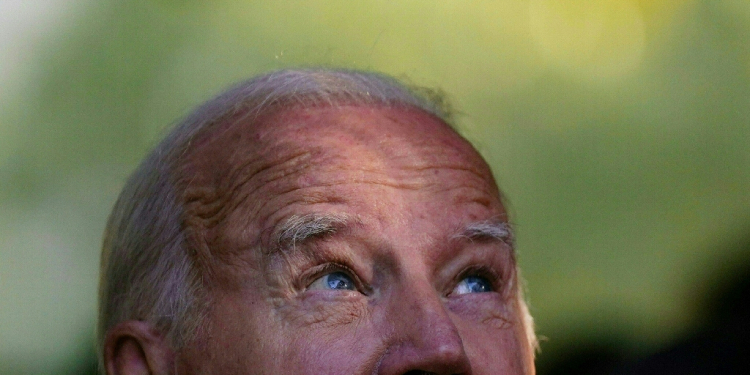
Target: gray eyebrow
487 230
298 228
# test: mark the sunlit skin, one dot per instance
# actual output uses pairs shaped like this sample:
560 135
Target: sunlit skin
393 289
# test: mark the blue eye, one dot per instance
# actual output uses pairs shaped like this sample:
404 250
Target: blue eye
473 284
333 281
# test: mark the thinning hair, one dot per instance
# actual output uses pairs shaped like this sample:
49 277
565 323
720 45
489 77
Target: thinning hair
148 269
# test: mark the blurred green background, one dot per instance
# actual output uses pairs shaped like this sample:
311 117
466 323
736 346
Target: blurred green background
619 130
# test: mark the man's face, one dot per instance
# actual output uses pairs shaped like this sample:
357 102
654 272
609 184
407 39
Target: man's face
350 240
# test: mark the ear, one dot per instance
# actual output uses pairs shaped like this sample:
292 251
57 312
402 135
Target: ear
136 348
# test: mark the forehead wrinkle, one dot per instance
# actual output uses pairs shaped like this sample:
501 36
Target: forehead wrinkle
313 197
221 195
404 179
272 170
207 199
287 194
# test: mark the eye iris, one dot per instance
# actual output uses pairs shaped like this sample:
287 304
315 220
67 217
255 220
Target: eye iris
340 281
475 284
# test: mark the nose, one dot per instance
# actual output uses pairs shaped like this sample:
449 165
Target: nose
423 339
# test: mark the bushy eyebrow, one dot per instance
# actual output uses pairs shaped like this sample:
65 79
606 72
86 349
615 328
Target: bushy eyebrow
299 228
487 230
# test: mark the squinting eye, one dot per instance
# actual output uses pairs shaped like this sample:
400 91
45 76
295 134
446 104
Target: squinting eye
333 281
473 284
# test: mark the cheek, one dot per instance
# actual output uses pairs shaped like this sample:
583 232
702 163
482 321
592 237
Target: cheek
234 340
332 349
323 311
494 351
324 333
492 333
485 310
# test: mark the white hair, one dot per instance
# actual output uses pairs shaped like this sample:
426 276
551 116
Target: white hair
148 270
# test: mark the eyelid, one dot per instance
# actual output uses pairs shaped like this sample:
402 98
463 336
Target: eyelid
324 269
480 270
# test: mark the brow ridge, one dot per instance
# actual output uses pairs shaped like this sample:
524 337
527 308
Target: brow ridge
492 229
297 229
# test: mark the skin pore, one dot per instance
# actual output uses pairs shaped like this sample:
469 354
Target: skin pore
349 240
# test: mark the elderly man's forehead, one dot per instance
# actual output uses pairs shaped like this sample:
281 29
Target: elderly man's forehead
384 132
282 124
246 164
403 120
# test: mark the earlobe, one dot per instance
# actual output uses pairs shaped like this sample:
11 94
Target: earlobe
136 348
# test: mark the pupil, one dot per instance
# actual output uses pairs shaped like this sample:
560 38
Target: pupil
477 284
338 280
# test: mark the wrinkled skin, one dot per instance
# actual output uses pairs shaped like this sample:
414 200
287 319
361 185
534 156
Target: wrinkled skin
407 183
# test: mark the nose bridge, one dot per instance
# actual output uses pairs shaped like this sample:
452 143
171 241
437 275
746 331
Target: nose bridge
423 335
424 314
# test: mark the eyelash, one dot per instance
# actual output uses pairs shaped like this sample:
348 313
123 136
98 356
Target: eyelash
322 270
483 271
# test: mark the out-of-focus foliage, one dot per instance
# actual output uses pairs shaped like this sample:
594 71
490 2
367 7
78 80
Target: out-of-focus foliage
618 130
